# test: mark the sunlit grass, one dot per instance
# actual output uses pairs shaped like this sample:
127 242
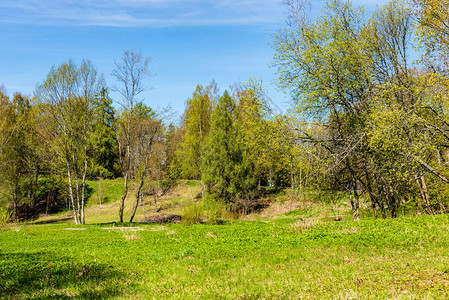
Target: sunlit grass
291 249
274 258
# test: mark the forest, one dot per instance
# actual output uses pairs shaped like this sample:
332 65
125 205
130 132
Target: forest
369 118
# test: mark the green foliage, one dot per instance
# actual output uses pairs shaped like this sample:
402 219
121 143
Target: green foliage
197 123
5 217
67 123
108 191
317 62
432 30
379 122
192 183
141 110
173 166
104 138
226 167
193 214
266 139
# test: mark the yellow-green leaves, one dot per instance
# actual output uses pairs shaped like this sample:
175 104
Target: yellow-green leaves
197 123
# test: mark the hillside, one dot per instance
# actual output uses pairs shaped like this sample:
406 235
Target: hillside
104 200
185 199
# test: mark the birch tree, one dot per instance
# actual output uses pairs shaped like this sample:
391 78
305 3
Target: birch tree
130 73
67 96
196 127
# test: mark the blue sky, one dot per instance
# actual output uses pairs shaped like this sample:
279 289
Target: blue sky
190 41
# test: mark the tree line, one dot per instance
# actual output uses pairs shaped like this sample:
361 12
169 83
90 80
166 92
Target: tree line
377 118
367 120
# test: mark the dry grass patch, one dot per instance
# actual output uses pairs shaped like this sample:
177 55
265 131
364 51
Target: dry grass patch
302 225
158 228
124 228
131 236
211 235
276 208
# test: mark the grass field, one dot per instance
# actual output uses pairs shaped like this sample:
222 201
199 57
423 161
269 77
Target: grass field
291 249
405 258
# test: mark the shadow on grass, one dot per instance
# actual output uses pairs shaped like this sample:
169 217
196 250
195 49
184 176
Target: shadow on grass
46 276
52 221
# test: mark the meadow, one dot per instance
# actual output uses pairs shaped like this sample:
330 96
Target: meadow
294 252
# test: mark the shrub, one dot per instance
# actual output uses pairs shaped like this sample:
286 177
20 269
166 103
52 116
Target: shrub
5 217
193 214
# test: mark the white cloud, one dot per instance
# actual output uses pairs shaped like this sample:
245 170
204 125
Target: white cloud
141 13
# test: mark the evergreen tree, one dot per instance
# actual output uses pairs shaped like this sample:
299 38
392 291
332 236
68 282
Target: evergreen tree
226 170
104 138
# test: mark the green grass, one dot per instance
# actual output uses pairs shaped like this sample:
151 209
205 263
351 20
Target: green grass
403 258
292 249
111 191
182 195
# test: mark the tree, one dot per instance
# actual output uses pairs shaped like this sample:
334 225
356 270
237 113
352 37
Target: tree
324 67
26 149
337 70
265 136
104 137
226 170
147 138
67 97
11 162
130 72
197 122
433 31
173 138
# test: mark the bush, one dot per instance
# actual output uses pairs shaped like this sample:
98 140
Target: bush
214 210
5 217
193 214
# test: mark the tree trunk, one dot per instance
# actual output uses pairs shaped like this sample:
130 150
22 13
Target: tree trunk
143 206
30 189
78 200
354 197
202 189
292 178
139 191
421 182
126 169
373 206
47 203
72 200
439 158
83 191
382 209
426 194
418 183
431 169
14 201
125 192
155 203
99 188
